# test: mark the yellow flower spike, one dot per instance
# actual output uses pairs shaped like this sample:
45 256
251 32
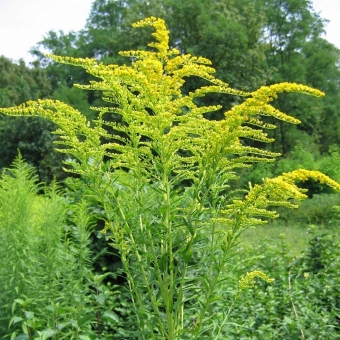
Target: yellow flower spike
304 175
248 281
161 34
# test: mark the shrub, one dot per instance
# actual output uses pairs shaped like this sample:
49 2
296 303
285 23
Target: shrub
317 210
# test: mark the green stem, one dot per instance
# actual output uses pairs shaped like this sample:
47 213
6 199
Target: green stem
209 294
227 315
169 305
145 279
133 291
149 288
162 285
180 311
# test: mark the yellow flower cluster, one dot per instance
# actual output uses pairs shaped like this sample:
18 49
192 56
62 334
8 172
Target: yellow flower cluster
248 281
304 175
161 34
83 62
268 93
257 104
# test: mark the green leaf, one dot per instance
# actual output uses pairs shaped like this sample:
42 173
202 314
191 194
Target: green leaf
163 261
60 326
82 321
288 320
101 298
47 333
24 328
22 337
14 320
19 301
111 315
29 315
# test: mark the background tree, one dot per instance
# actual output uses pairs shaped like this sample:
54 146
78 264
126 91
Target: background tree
296 52
32 137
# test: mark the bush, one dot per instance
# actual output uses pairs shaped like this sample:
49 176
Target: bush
317 210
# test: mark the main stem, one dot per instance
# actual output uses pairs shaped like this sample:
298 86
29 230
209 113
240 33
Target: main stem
167 222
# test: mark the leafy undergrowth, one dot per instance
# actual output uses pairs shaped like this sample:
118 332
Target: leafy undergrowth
48 288
50 291
304 300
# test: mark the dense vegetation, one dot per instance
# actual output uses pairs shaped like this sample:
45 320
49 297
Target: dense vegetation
50 234
49 288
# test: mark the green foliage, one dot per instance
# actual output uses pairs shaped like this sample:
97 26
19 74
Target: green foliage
161 172
74 97
19 83
303 301
32 137
25 271
297 53
317 210
47 287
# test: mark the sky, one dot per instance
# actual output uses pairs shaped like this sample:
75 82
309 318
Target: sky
23 23
329 9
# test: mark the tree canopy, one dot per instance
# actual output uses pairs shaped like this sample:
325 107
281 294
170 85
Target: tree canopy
32 137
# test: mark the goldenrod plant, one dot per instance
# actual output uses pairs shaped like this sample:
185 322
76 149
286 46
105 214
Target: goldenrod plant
161 172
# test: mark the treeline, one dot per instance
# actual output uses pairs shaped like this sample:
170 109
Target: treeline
251 43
